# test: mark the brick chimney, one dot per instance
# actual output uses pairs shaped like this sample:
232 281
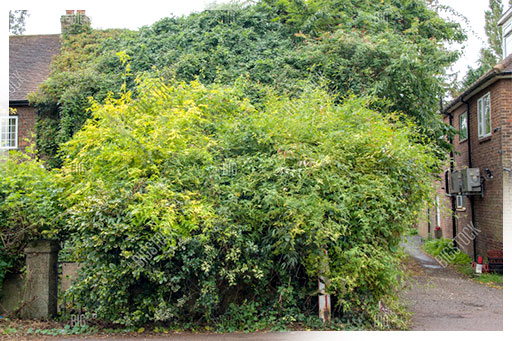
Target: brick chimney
71 19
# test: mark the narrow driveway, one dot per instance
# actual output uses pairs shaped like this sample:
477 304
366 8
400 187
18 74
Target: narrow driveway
442 299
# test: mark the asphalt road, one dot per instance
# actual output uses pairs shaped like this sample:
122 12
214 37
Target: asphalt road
442 299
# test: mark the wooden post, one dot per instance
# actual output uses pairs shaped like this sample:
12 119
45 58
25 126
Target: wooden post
324 299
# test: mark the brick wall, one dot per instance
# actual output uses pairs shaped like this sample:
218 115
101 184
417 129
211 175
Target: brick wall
430 213
493 212
461 161
26 125
506 134
485 154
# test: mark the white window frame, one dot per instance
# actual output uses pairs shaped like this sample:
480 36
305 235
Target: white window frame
465 114
461 205
507 35
5 122
484 115
507 44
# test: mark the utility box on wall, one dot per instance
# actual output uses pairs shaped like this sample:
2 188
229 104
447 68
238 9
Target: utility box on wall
455 182
471 180
465 181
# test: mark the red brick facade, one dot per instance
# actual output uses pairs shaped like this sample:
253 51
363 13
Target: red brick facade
29 65
26 125
492 153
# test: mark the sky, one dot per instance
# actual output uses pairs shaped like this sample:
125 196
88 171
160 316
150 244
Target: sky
45 19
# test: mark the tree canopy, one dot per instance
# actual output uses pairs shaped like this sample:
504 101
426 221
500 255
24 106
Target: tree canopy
393 50
17 20
493 52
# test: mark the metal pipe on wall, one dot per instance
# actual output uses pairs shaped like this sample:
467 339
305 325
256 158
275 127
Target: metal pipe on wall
470 164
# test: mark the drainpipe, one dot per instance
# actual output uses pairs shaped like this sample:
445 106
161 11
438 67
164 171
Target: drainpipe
470 164
428 222
452 198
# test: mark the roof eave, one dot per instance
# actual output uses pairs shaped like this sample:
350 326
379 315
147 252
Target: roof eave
505 17
18 102
476 88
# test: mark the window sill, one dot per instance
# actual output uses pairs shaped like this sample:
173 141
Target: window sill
465 140
484 139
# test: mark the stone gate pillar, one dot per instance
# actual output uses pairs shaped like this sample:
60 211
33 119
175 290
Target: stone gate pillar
40 292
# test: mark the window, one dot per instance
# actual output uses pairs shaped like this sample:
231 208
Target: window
484 115
507 41
461 206
9 132
463 127
507 37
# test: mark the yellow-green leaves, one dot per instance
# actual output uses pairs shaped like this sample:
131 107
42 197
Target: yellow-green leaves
188 194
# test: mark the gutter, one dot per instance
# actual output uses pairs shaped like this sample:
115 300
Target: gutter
452 198
18 103
494 75
505 17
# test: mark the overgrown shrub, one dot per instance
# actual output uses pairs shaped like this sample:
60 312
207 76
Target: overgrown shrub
29 207
192 204
391 49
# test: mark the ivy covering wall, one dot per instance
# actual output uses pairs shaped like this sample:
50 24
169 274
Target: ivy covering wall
395 50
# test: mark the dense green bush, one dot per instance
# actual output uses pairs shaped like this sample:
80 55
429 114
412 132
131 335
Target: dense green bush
192 204
29 207
392 49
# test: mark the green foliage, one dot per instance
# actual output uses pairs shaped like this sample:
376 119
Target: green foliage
493 53
385 65
412 232
444 248
29 207
492 30
193 205
392 49
61 100
17 19
491 278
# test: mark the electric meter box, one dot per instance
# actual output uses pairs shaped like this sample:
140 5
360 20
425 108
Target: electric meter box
455 182
470 180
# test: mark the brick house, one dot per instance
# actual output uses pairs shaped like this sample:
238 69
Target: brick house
29 65
30 58
483 116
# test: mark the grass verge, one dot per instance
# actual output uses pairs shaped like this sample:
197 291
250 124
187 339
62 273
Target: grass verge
443 249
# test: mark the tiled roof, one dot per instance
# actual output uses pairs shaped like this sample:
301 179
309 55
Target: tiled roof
502 68
29 62
507 63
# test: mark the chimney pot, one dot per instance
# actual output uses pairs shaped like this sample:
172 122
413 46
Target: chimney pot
71 19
